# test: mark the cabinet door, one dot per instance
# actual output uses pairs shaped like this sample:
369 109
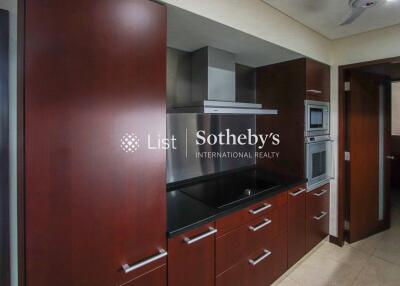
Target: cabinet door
317 81
296 224
156 277
191 259
317 216
94 90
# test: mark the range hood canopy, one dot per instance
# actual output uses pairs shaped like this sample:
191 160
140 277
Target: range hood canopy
213 88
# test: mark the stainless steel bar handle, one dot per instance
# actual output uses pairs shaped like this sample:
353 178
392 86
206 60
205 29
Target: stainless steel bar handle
211 231
128 268
261 258
261 225
300 191
256 211
390 157
323 214
321 193
314 91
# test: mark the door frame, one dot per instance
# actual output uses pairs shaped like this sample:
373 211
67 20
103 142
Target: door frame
342 145
4 151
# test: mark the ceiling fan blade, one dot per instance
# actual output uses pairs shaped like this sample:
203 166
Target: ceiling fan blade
354 14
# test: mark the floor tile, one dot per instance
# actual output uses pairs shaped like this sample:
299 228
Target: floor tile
378 272
389 246
345 254
368 245
318 270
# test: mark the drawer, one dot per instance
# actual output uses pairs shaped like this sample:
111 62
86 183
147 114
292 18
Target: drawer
238 243
261 267
318 200
157 277
263 208
192 253
317 223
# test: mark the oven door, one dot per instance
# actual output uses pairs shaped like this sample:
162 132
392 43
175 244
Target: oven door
319 163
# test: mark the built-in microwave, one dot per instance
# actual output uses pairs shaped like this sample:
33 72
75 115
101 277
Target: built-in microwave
316 118
318 161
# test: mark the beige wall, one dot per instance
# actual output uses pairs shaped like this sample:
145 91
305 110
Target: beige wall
378 44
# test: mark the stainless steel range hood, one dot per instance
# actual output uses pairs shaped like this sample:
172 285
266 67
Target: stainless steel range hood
213 86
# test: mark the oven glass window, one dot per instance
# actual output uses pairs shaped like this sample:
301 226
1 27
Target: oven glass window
316 118
318 164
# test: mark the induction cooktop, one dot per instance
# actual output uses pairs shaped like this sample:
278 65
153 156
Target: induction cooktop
226 190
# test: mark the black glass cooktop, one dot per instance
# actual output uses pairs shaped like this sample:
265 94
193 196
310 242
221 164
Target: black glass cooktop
227 190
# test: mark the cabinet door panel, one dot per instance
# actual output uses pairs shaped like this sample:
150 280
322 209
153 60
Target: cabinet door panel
296 225
156 277
317 216
317 81
94 79
192 264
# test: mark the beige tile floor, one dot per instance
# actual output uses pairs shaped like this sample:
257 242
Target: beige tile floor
372 261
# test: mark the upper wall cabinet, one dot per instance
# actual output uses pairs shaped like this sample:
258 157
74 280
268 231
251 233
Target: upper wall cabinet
94 89
317 81
284 86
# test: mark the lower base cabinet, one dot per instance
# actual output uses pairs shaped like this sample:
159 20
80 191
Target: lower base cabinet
317 217
253 246
191 258
157 277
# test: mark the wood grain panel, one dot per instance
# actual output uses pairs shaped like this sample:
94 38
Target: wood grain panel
282 86
318 80
94 71
192 264
296 226
317 230
154 277
364 148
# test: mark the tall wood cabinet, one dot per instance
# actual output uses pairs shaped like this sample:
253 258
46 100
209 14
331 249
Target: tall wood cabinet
93 89
285 86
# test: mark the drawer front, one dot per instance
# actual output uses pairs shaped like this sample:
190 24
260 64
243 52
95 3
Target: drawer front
191 258
261 267
235 245
296 224
318 200
157 277
317 216
263 208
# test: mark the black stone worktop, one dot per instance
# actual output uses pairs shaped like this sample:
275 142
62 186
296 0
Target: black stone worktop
184 212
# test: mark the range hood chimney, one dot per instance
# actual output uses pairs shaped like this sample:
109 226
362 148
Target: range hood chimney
213 88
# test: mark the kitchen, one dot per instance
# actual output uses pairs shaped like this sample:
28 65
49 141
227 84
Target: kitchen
160 147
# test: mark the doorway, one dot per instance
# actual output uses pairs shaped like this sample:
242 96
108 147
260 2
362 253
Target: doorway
368 147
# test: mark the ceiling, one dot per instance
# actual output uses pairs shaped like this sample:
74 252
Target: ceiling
189 32
325 16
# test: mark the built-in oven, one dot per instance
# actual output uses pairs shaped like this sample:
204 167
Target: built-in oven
319 161
316 118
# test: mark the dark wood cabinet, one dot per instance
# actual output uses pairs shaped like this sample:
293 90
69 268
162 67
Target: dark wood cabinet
155 277
285 86
296 224
254 253
317 81
317 216
94 73
191 258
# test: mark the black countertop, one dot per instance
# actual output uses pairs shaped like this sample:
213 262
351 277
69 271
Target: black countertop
186 213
